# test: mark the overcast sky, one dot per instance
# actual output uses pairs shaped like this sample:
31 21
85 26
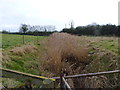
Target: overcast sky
57 12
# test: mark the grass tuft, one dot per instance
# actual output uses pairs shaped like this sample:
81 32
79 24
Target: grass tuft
23 49
62 50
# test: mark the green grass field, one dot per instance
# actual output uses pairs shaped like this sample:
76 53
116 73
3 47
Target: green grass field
24 61
11 40
17 61
104 54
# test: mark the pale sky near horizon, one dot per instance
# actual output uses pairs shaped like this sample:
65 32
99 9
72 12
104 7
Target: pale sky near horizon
57 12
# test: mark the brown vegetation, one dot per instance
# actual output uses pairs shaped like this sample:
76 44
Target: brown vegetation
103 61
63 50
69 52
23 49
4 57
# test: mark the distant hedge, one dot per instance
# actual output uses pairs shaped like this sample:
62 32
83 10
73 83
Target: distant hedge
31 33
94 30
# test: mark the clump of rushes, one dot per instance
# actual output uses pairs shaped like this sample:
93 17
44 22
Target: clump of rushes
63 51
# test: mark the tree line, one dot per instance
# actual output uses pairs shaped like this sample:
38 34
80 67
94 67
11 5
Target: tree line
36 30
94 30
89 30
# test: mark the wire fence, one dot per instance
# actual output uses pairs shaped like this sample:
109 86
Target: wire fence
27 78
34 79
66 86
89 74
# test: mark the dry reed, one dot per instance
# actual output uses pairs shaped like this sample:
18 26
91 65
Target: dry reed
62 50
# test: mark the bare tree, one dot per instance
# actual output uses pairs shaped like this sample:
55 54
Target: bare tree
23 29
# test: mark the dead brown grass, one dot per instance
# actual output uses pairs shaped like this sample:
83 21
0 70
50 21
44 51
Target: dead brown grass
4 58
70 53
23 49
62 50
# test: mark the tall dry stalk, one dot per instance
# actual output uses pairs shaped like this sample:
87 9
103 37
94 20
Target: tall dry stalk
62 50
